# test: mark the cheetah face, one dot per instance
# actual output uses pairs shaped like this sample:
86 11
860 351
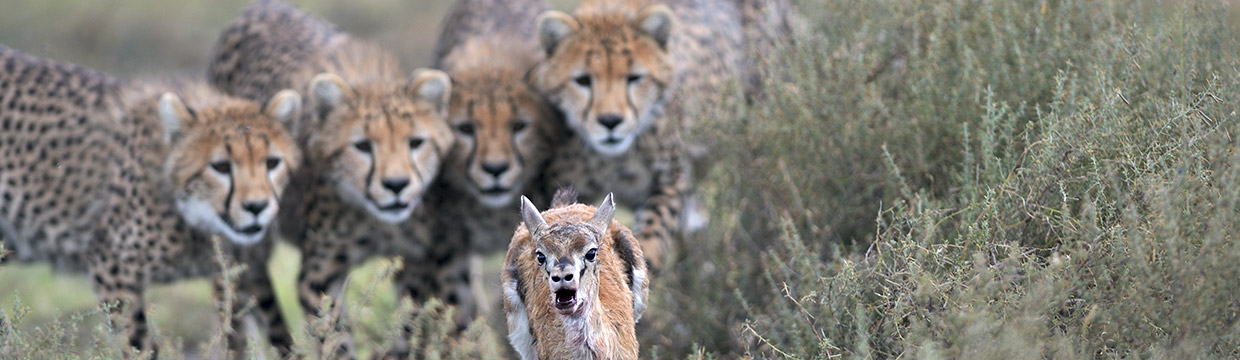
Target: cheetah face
568 255
498 125
230 163
382 145
607 73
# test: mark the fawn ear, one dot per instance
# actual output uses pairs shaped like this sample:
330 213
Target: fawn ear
530 215
602 217
174 115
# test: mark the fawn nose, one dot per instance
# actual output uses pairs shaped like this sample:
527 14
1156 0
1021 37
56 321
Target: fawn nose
396 185
563 272
610 120
495 169
254 207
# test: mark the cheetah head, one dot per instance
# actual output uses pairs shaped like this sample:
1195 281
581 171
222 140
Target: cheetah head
568 254
229 162
381 143
608 72
502 125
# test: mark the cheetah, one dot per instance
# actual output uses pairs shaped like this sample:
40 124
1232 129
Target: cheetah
375 140
628 77
129 181
504 129
575 283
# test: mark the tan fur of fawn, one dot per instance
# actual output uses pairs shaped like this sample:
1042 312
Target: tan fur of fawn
575 283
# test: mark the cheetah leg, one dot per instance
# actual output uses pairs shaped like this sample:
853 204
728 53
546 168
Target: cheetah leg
454 281
117 284
449 281
658 220
264 312
320 278
269 312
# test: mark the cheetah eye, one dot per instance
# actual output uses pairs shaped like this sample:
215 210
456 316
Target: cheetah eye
415 143
583 80
273 163
466 128
363 146
590 255
633 79
542 259
222 166
519 125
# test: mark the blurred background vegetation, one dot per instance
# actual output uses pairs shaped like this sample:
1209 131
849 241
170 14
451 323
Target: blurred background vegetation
926 179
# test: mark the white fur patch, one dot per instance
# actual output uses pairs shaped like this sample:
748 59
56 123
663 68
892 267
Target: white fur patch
599 143
639 300
519 324
353 196
202 216
498 201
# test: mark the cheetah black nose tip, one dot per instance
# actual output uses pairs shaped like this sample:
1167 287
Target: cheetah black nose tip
396 185
495 169
255 207
610 120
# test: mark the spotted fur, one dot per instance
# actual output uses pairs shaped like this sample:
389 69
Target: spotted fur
629 76
375 140
128 182
504 129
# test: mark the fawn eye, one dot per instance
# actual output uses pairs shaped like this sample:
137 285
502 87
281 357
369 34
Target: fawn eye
273 163
415 143
222 166
542 259
633 79
590 255
518 125
583 80
466 128
363 146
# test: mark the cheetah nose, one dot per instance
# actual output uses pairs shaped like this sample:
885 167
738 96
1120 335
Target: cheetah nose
495 169
254 207
396 185
610 120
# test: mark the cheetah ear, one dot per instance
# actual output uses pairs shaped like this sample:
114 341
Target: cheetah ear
174 115
602 216
553 27
530 215
329 93
432 86
284 107
656 21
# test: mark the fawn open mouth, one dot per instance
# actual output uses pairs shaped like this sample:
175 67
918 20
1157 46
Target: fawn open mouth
565 301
